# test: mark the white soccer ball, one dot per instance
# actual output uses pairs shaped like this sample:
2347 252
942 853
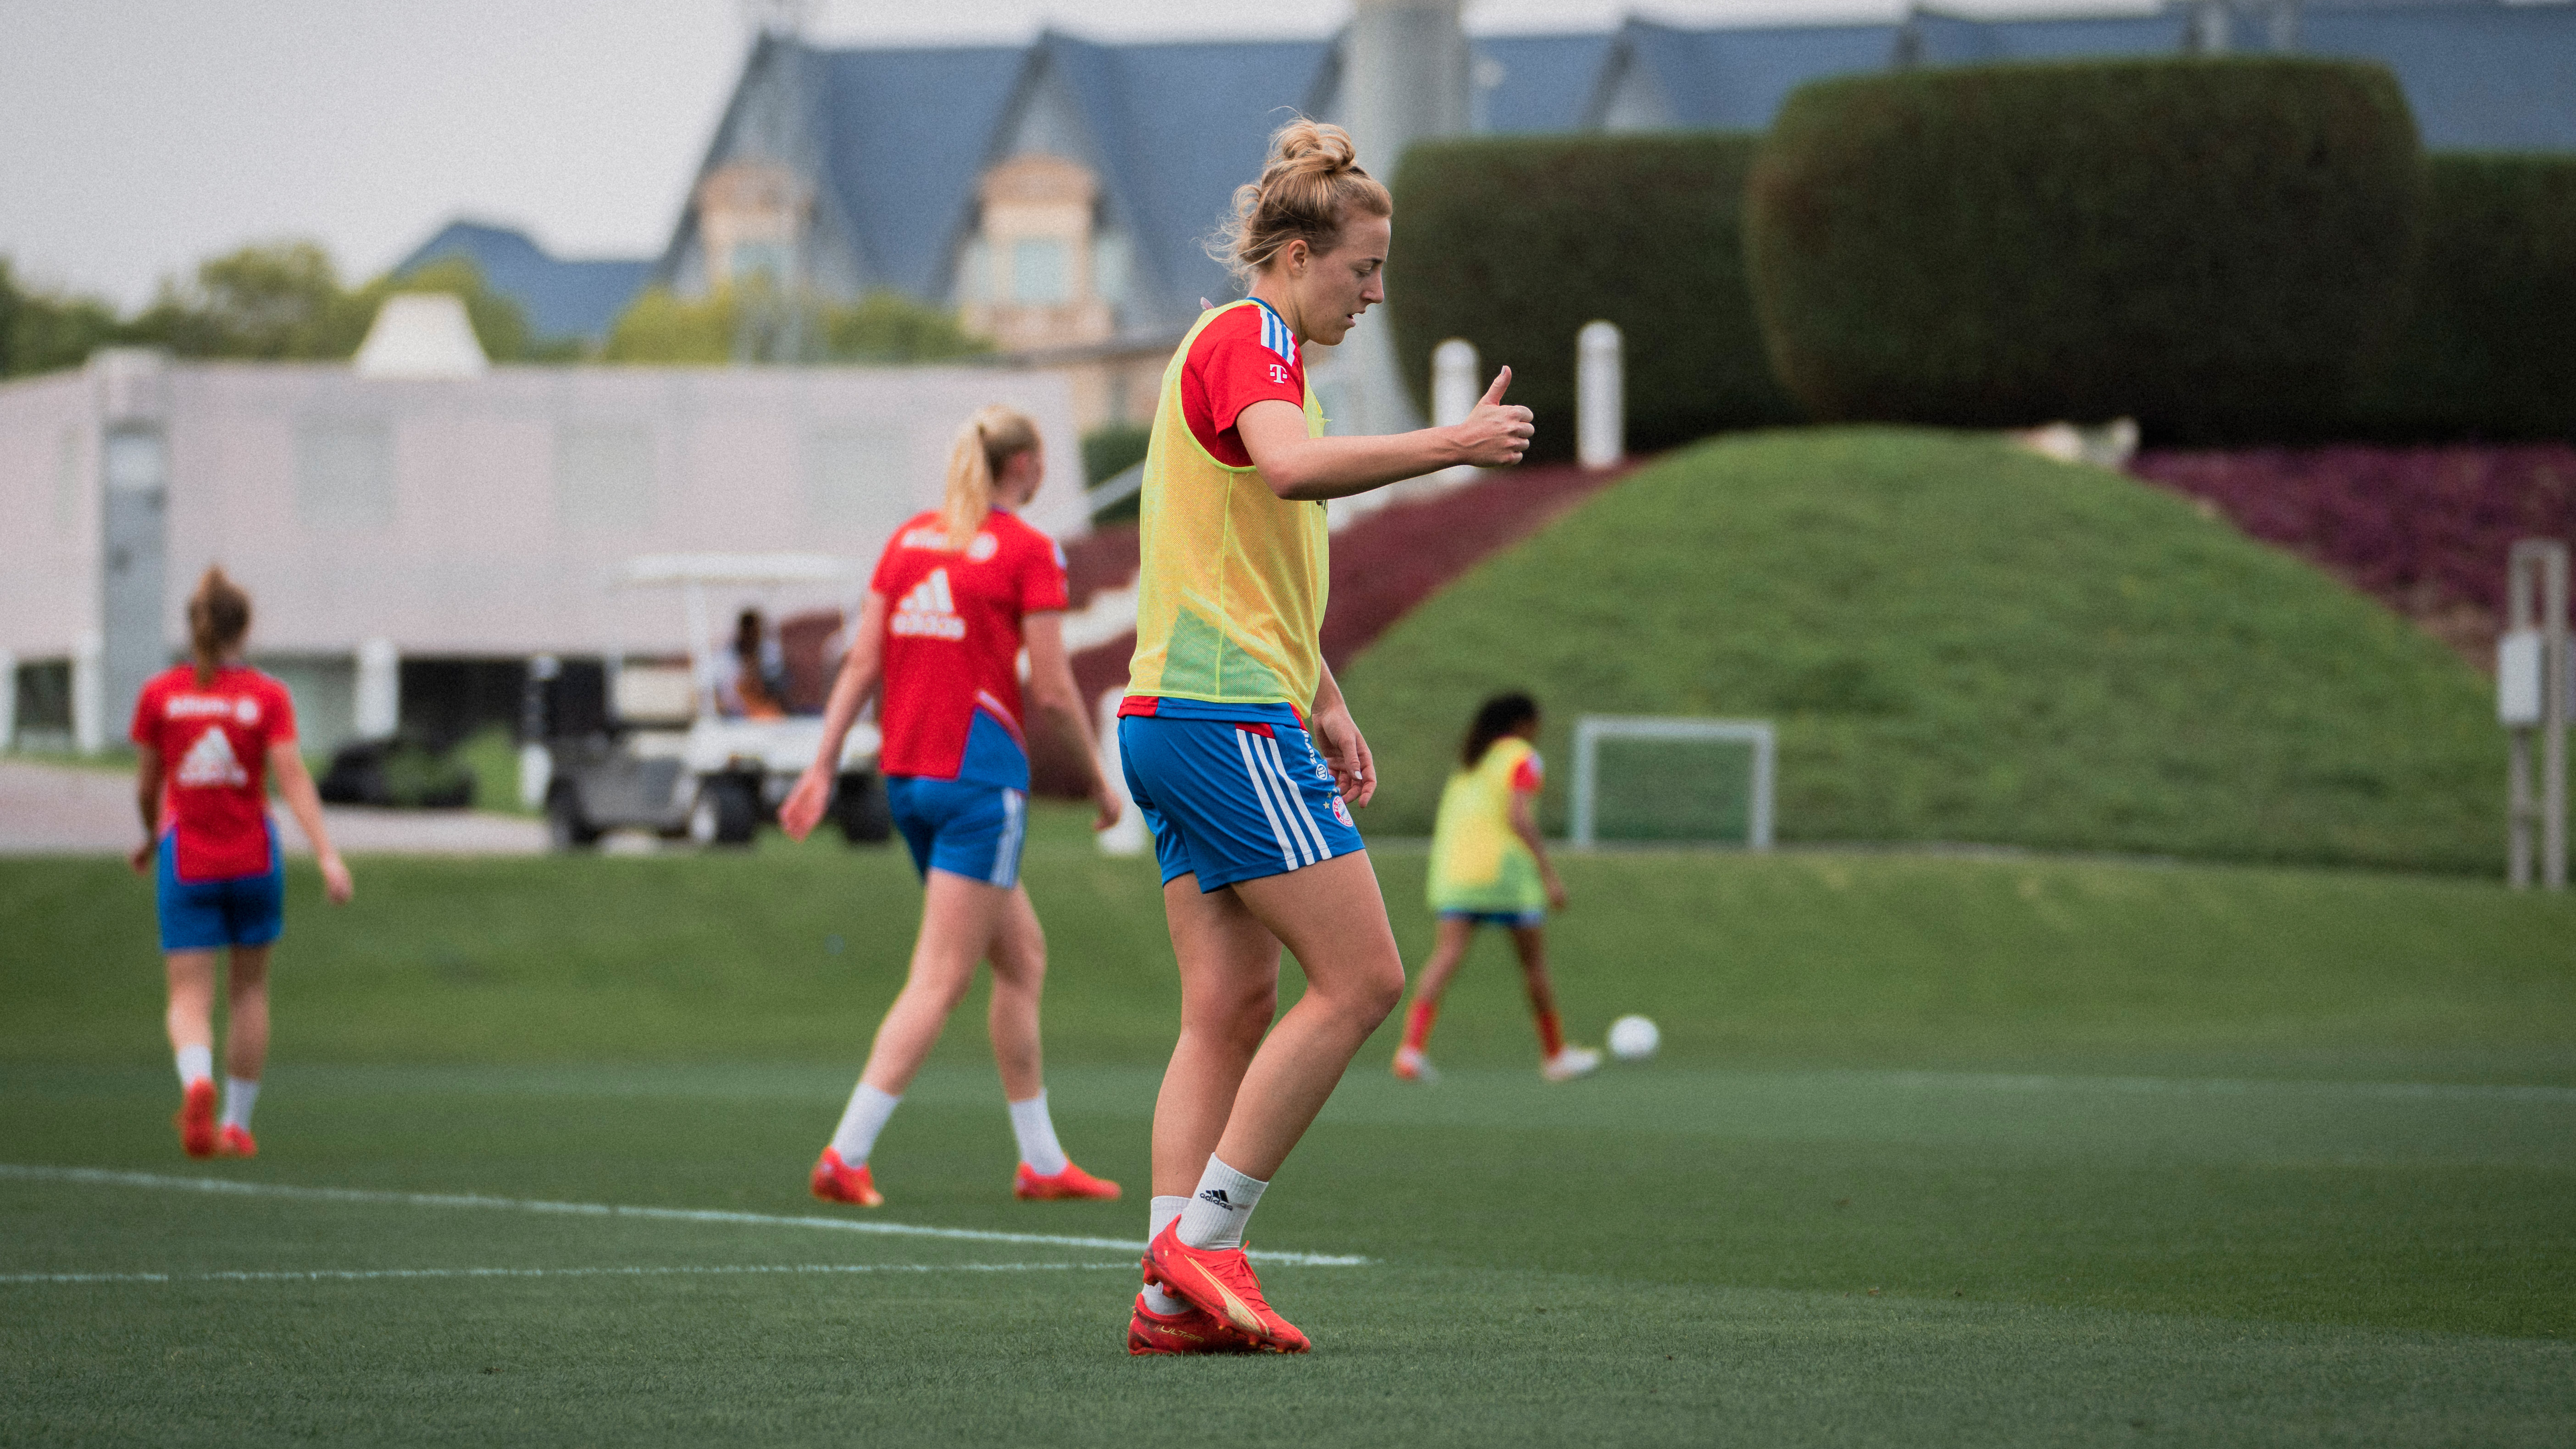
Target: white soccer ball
1634 1038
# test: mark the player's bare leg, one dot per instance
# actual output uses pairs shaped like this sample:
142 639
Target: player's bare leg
246 1013
1333 919
1557 1061
1453 936
1229 996
245 1048
959 918
190 1021
1019 978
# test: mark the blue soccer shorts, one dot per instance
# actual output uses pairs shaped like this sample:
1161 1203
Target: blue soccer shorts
1509 920
206 915
1233 801
961 827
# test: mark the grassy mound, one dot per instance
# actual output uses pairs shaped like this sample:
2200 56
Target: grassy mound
1960 641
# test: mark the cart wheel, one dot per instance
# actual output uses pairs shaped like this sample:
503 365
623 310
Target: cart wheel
859 805
567 828
727 812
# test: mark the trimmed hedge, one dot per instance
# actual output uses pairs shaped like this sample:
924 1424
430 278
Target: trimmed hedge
2218 248
1515 243
2489 349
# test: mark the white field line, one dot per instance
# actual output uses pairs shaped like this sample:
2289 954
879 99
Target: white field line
357 1275
2222 1087
99 1177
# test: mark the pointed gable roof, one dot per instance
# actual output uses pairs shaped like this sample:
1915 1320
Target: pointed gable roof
904 136
1171 129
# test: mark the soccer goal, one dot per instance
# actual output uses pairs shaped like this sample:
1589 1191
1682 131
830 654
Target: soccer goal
1649 778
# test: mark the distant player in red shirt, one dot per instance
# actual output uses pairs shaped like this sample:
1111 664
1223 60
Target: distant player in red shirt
208 733
956 595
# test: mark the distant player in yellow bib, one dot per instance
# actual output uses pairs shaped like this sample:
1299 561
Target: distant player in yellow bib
1489 868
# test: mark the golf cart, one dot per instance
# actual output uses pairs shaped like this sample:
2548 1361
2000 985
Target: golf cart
666 759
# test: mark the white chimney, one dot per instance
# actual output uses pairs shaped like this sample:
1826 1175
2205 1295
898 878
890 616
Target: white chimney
421 334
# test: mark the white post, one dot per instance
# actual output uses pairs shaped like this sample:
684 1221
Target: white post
89 694
1129 836
8 699
1453 381
2532 697
536 764
1453 396
377 710
1600 397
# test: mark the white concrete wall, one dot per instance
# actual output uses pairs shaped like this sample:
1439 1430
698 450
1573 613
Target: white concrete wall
49 519
477 552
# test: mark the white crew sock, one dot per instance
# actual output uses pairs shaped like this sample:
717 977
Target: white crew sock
1036 1131
861 1121
1158 1217
1219 1209
240 1095
196 1064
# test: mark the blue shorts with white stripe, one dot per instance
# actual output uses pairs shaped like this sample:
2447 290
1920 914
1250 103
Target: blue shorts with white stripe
961 827
1230 800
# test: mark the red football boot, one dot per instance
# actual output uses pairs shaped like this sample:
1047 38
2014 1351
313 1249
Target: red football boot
1220 1282
835 1181
1073 1182
196 1119
236 1142
1192 1330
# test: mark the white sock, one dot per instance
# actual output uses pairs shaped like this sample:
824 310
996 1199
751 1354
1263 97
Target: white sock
196 1064
1220 1208
1036 1131
861 1121
240 1095
1158 1217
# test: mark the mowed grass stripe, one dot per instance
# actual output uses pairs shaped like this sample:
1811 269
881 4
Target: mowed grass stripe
361 1275
100 1177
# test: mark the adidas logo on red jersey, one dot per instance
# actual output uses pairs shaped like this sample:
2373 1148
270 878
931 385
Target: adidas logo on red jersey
928 611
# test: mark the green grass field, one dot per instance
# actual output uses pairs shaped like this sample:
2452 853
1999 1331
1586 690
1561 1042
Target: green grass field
1961 641
1938 1151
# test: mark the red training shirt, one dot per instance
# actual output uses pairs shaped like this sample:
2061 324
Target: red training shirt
213 742
950 704
1244 357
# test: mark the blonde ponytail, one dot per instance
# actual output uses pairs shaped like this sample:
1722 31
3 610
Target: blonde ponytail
1308 187
985 446
218 621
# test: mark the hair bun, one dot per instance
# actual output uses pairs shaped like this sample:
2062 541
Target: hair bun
1316 149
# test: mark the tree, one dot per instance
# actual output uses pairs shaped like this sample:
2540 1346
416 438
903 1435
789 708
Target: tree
284 301
753 323
44 331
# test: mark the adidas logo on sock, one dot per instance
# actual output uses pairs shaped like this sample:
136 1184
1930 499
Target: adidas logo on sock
1217 1195
928 611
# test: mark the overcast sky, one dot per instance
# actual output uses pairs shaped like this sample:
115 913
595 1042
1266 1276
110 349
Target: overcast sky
137 136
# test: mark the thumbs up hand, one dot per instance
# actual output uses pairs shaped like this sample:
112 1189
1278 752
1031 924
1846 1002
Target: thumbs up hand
1495 433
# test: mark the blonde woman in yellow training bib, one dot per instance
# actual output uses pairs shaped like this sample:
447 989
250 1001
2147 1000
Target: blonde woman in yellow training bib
1237 745
1489 868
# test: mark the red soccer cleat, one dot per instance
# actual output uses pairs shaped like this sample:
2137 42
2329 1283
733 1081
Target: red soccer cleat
1192 1330
1073 1182
236 1142
1220 1283
196 1119
835 1181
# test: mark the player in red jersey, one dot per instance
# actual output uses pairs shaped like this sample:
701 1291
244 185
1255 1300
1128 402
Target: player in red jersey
955 596
209 732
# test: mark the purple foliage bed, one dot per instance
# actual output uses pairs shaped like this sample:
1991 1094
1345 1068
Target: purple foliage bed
2424 529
